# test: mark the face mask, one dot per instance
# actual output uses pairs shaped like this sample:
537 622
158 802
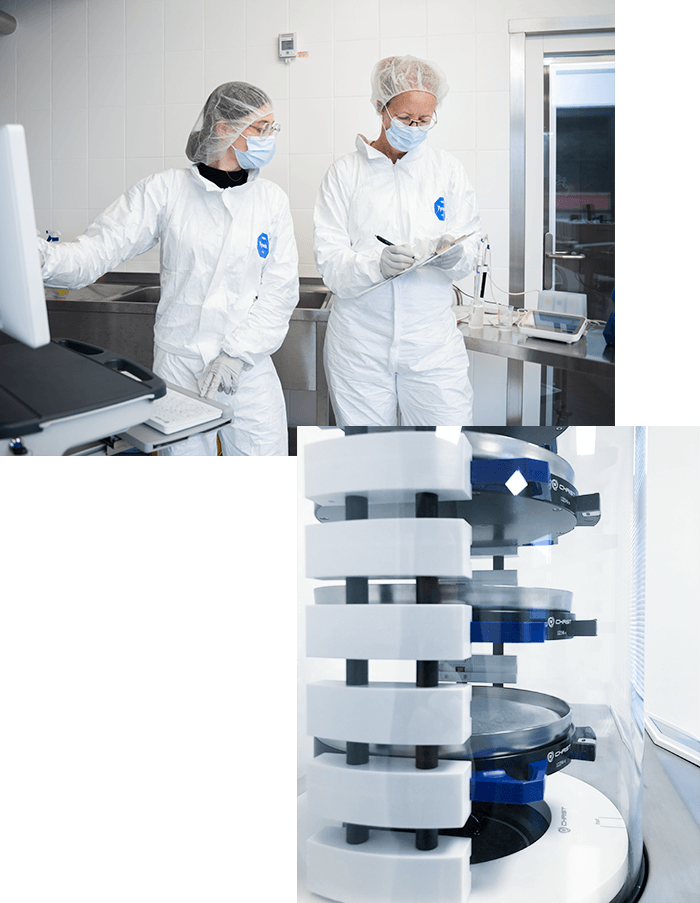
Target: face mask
260 151
404 137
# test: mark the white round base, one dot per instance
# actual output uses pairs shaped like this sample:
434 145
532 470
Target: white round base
582 857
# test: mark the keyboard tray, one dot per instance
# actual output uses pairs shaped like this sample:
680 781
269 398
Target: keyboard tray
148 440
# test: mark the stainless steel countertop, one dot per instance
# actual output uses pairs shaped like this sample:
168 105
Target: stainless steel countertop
589 355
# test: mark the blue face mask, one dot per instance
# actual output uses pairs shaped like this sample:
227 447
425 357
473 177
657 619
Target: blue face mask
260 151
404 137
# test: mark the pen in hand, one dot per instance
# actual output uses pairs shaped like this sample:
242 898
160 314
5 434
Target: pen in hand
385 241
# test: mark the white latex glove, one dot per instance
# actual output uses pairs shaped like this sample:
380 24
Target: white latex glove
449 258
222 376
395 259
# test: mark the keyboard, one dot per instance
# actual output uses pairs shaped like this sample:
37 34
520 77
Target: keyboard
175 411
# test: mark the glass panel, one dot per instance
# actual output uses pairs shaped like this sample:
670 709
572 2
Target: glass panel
579 217
580 206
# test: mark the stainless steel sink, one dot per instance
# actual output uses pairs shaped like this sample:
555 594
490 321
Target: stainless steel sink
312 299
309 298
144 294
119 311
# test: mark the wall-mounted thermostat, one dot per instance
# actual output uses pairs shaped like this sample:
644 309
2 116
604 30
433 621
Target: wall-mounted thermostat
288 46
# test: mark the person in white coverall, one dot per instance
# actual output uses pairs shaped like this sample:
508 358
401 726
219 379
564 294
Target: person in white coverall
398 343
228 268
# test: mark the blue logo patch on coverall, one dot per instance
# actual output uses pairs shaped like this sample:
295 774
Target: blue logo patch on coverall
440 208
263 244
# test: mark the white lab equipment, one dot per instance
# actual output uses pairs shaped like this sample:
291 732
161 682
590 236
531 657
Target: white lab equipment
177 424
553 326
54 395
65 394
563 302
177 411
22 303
476 318
287 46
440 779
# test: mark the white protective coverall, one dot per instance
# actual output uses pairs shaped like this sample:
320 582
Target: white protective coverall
229 282
398 342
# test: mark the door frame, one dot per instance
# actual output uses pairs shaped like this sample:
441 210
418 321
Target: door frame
520 30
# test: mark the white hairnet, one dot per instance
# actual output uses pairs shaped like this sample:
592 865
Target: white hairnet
397 74
237 105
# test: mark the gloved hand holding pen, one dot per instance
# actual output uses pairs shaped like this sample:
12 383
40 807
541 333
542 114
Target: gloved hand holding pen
395 258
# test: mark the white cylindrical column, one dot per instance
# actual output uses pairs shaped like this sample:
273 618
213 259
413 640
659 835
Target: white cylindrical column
393 805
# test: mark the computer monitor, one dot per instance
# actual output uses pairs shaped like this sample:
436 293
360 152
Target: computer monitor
22 301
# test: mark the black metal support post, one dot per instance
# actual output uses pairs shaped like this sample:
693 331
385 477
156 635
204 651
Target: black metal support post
356 670
427 593
498 565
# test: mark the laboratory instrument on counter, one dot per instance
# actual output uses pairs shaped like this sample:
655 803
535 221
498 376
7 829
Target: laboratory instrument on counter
506 315
443 784
563 302
476 318
558 327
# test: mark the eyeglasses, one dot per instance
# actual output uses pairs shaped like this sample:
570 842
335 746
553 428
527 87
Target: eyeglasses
266 129
425 123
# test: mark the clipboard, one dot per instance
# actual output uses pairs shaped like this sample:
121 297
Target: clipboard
417 264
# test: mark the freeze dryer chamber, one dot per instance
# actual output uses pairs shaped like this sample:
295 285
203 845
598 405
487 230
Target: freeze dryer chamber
478 619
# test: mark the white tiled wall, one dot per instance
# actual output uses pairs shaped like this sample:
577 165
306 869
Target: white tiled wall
108 90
